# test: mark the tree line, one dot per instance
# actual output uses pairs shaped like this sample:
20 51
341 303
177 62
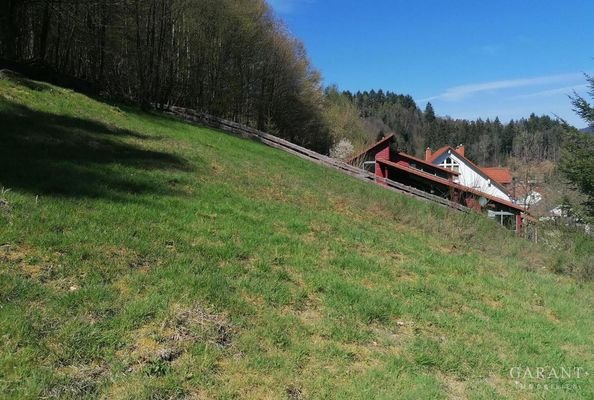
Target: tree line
230 58
488 142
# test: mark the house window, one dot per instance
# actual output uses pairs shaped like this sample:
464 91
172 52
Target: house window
449 163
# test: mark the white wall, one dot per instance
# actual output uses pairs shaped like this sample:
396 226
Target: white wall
469 177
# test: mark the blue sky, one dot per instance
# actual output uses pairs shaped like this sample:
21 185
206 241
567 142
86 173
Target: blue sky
470 58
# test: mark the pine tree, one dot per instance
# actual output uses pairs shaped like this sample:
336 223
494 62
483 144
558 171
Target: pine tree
581 106
429 113
577 160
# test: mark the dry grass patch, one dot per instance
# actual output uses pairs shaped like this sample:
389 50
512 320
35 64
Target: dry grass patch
155 345
77 381
14 254
493 303
500 385
455 387
395 340
27 263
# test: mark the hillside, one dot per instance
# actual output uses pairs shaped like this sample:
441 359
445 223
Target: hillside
145 258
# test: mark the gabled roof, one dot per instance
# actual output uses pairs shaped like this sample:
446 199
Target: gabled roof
499 174
388 139
478 169
439 152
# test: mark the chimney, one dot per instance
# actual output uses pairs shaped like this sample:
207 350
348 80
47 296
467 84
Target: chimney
428 153
460 150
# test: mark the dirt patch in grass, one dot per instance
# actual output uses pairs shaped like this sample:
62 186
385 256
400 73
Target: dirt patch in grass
28 264
294 393
343 207
217 168
455 388
77 381
310 316
492 303
276 193
126 257
143 263
14 254
198 323
380 212
402 276
118 252
551 316
575 350
394 340
499 385
317 231
32 271
155 347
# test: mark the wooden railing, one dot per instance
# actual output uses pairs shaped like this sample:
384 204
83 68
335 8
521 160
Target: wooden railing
193 116
422 194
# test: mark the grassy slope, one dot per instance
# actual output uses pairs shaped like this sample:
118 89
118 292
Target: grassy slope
164 260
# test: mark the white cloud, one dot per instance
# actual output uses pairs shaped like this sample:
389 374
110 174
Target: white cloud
457 93
567 90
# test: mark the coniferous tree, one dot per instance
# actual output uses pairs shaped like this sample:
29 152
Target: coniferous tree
577 161
429 113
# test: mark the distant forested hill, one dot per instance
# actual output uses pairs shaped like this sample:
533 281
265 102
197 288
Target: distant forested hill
535 138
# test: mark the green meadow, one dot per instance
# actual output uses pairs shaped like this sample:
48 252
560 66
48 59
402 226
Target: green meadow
145 258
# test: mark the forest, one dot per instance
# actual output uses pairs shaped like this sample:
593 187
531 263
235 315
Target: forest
236 59
230 58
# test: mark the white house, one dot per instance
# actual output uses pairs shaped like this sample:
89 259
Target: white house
529 199
470 174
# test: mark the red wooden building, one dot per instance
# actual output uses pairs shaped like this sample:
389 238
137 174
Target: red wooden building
386 162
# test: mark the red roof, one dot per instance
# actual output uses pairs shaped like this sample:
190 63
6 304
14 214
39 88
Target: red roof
439 152
499 174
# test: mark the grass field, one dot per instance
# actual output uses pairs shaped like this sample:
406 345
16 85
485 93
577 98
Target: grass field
144 258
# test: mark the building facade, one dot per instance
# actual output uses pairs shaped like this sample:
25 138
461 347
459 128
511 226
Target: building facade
470 174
